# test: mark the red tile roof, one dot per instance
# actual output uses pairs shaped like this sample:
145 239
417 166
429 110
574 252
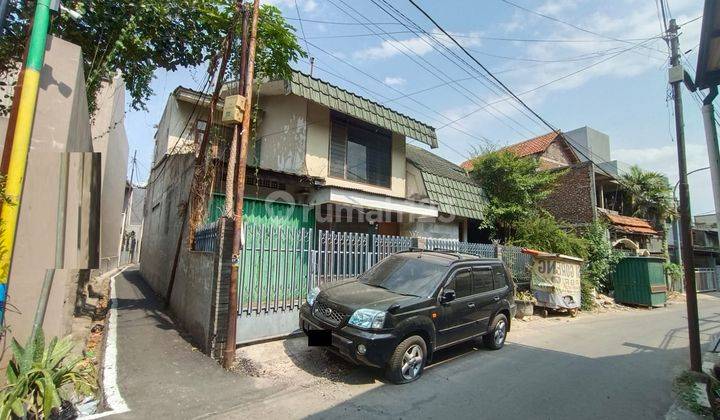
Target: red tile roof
535 145
631 224
525 148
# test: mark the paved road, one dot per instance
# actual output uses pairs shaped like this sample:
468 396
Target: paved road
606 366
613 365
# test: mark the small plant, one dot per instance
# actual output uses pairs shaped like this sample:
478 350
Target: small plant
38 375
525 296
674 273
587 293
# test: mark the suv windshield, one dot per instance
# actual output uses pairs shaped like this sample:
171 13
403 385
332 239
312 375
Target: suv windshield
405 274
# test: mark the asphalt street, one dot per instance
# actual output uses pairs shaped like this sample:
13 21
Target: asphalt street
611 365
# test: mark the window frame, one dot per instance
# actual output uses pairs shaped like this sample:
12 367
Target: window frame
484 268
348 122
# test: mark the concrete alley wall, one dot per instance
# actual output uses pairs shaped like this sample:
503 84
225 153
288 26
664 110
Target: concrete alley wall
61 125
110 139
193 291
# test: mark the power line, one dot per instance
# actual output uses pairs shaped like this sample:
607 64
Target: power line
549 83
445 48
482 66
479 37
436 72
572 25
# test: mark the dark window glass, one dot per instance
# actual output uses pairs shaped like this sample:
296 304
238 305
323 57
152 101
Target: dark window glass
483 280
462 284
500 280
360 152
406 275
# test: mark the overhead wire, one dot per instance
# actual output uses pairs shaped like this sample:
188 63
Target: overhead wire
431 68
543 120
572 25
443 50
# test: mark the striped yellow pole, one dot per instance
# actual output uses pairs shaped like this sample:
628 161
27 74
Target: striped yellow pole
21 144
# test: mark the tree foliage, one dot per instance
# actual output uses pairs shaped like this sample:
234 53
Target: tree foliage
514 187
601 256
650 195
542 232
140 37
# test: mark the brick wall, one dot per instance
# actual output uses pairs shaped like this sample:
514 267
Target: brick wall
571 201
556 155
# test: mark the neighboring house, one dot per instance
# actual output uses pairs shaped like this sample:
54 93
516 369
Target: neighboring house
461 201
589 189
132 217
706 248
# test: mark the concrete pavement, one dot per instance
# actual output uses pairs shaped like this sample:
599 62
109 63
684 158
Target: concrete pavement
159 373
604 366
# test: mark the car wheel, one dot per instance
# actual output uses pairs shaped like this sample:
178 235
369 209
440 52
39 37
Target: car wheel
408 360
495 338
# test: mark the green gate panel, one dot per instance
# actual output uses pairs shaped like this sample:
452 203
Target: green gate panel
640 281
266 212
274 262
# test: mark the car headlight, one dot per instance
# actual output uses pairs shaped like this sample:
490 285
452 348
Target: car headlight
368 319
312 294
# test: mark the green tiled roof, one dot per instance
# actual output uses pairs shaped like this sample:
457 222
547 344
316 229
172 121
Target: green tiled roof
356 106
448 185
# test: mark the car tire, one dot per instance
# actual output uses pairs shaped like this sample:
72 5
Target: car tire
404 365
495 337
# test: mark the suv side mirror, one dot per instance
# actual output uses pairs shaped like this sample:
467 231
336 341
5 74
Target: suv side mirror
448 296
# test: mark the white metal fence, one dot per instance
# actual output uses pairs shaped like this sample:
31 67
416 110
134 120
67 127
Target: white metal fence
706 279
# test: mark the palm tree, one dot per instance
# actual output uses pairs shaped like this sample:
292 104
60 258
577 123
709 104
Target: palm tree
650 197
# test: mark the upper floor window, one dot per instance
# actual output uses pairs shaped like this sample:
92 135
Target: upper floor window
360 152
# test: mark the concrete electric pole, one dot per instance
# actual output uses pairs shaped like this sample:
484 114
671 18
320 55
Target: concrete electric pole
229 351
676 77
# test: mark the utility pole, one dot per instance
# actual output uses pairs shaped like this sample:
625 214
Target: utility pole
676 75
708 111
229 351
232 156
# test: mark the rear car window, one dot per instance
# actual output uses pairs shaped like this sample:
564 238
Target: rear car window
500 277
483 279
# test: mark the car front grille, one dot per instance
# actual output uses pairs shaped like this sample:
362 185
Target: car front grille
330 315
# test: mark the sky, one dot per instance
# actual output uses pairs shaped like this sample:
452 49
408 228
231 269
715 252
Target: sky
605 67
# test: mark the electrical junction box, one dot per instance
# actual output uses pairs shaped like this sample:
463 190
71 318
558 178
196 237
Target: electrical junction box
233 109
676 74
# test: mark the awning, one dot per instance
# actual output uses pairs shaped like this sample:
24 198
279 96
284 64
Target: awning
627 224
359 199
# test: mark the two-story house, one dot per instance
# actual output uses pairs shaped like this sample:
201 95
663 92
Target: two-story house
321 157
344 156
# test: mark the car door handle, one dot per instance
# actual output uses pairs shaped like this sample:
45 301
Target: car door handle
496 298
471 305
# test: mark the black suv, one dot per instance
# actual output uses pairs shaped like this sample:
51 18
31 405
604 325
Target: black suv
398 313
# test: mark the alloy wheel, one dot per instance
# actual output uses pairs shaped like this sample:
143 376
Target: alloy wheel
412 362
499 333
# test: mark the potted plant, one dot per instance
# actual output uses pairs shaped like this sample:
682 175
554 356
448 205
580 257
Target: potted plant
525 302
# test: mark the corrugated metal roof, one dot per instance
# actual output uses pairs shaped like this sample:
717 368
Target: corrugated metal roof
356 106
447 184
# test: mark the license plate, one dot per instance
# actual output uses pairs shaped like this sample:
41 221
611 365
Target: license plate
319 337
